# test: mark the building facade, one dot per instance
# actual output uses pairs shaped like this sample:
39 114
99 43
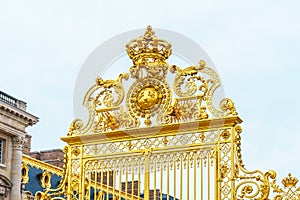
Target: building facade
14 119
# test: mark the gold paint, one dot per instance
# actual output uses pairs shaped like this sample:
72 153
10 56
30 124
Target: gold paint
289 181
225 134
224 171
75 126
148 97
24 173
41 165
148 46
76 151
183 133
45 180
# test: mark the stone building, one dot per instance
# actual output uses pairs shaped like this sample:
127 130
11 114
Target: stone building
53 157
14 119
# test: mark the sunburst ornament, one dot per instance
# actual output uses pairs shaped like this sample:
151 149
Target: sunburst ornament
147 97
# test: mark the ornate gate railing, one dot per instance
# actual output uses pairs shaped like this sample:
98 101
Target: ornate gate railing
160 143
181 165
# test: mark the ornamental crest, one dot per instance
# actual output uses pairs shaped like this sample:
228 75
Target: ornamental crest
152 99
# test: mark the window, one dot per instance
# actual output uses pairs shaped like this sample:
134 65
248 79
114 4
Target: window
2 152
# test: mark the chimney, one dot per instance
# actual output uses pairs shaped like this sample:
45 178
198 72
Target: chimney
27 145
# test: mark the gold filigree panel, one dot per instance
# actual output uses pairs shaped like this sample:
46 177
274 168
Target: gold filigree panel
178 140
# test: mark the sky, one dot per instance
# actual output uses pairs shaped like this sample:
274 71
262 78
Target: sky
255 46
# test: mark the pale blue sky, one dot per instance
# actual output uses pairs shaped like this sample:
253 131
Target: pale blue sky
255 46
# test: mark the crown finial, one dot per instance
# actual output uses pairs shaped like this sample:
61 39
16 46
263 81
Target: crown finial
289 181
148 46
149 32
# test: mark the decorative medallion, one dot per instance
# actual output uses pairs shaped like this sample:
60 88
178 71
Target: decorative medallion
147 97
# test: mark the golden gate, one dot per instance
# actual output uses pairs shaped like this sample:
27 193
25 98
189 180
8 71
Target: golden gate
154 141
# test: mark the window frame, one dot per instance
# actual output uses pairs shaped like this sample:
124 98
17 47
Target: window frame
2 152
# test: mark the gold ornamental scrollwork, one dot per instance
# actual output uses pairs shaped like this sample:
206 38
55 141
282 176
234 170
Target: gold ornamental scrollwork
106 90
109 94
187 77
103 103
254 184
289 191
45 179
201 82
24 173
149 99
250 184
75 127
228 107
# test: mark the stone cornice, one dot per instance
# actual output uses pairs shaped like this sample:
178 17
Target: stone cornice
11 130
20 115
42 165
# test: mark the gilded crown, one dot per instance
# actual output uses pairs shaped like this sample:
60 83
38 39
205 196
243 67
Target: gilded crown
148 46
289 181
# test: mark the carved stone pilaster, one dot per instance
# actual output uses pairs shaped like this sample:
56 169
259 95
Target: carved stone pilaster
18 142
16 164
